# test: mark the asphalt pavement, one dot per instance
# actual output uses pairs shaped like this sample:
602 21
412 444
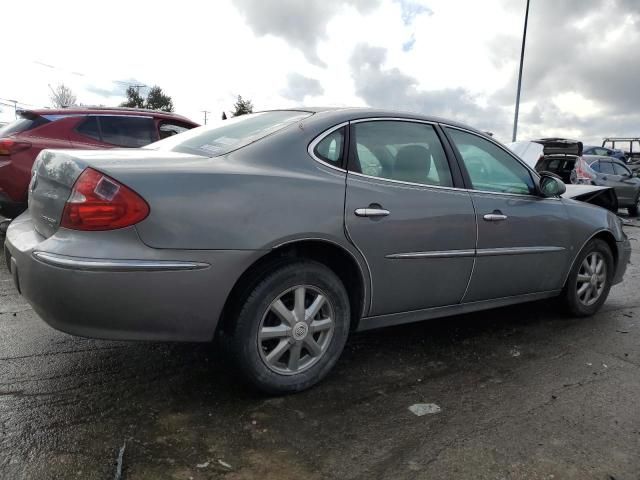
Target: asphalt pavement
521 393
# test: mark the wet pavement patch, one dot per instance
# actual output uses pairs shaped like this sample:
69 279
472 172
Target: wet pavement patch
522 392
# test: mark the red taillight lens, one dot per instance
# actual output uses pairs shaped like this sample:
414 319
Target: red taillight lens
98 202
584 171
9 146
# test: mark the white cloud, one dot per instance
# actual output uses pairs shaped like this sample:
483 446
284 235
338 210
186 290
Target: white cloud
204 54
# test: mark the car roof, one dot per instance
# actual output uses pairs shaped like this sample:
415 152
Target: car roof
110 111
343 114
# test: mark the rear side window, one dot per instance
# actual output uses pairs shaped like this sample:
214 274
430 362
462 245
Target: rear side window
607 167
126 131
224 136
331 148
89 128
27 121
403 151
169 129
595 166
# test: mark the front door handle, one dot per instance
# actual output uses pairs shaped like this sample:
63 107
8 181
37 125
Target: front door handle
494 217
371 212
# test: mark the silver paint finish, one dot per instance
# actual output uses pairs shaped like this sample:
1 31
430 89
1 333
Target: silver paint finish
432 252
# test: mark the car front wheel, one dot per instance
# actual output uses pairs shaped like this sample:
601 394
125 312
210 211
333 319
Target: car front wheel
292 328
589 281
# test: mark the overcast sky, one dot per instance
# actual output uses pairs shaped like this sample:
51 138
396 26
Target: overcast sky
453 58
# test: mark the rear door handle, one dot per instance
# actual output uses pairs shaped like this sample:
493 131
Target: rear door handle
371 212
494 217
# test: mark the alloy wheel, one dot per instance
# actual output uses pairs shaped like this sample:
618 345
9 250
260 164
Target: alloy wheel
296 330
592 278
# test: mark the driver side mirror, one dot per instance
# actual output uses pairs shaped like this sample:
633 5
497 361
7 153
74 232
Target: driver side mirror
551 186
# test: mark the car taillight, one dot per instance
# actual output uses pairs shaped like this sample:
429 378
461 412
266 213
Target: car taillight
584 171
9 146
98 202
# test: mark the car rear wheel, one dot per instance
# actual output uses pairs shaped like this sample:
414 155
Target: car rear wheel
292 328
635 209
589 281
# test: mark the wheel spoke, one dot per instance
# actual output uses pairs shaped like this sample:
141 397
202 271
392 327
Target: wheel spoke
583 277
275 332
599 266
277 352
314 308
601 278
583 288
294 357
298 306
587 266
594 259
312 346
283 312
320 325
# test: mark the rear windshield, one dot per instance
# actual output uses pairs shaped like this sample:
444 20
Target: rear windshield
227 135
27 121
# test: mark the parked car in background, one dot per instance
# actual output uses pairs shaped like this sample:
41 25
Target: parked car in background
610 172
629 145
85 128
604 152
284 231
559 157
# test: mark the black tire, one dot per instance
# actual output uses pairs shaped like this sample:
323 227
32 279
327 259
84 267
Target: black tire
635 209
249 352
573 303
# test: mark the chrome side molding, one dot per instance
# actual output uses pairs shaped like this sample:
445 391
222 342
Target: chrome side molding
111 265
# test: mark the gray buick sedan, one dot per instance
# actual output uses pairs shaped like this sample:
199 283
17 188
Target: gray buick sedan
283 231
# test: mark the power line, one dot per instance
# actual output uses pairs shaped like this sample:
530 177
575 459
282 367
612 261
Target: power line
205 115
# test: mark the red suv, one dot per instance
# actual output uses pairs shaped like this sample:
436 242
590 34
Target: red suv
87 128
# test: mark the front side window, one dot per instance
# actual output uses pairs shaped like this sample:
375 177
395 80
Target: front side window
489 167
621 170
403 151
224 136
125 131
331 148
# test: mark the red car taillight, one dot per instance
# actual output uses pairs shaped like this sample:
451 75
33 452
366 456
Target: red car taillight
98 202
9 146
584 171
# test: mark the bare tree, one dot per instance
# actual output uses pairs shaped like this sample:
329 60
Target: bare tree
62 96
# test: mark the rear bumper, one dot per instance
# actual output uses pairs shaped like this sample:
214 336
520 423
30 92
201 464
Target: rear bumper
624 256
132 292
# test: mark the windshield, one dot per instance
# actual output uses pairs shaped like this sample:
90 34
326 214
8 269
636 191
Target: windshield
27 121
227 135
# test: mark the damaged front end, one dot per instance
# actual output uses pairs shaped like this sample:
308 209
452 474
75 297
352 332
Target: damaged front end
604 197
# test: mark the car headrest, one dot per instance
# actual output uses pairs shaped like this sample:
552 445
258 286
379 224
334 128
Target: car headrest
413 163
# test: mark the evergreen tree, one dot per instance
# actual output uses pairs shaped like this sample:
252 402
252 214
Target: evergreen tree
242 107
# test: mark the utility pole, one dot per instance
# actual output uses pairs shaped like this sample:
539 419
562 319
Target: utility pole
205 115
524 40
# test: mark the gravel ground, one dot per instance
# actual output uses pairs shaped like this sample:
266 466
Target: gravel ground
523 393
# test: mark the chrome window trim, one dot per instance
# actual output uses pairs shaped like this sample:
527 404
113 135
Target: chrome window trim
320 137
113 265
312 146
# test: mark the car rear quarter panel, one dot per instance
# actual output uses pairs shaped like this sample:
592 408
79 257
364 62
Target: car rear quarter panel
255 198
